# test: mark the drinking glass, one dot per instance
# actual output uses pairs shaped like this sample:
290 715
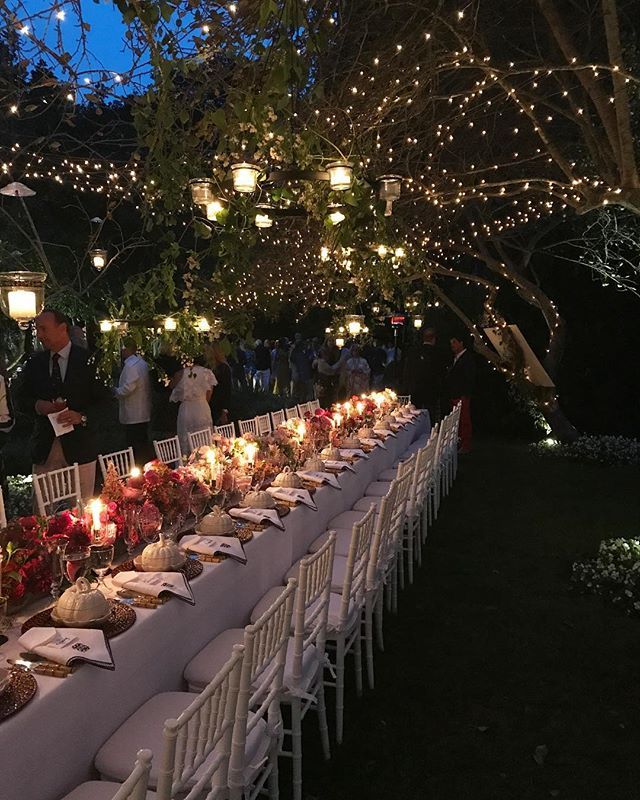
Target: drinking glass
149 523
174 526
131 533
198 500
76 562
57 574
101 559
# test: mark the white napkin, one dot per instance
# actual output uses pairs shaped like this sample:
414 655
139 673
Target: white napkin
395 426
229 546
66 645
374 443
258 515
350 452
59 428
154 583
339 465
293 495
383 432
320 478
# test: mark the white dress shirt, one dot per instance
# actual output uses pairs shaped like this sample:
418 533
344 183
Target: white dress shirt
134 391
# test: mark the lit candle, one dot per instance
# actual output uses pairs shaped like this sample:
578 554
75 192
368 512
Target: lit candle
360 407
212 461
251 451
22 304
135 481
337 418
95 509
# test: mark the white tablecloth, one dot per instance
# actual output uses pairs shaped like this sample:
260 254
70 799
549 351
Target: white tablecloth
48 747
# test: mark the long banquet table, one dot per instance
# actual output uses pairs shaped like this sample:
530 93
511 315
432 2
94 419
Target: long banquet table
48 747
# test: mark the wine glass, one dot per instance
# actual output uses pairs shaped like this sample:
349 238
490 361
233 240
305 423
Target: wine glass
149 523
131 536
76 561
57 574
101 560
198 501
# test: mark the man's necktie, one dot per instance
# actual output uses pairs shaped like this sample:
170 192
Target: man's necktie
56 375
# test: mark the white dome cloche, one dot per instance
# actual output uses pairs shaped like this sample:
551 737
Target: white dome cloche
217 523
81 604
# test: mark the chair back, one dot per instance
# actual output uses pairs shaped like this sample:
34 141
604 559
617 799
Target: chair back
404 399
248 426
303 408
314 405
265 651
355 576
51 488
382 542
398 511
291 413
135 786
421 475
277 418
228 431
3 511
203 729
168 450
264 424
197 439
122 460
311 608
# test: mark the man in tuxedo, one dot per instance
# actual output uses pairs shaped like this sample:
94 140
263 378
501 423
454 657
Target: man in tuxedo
60 380
424 369
459 384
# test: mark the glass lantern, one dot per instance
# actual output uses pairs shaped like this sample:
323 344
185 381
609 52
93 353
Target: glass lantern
170 324
201 191
354 323
22 295
106 326
336 215
202 325
245 177
390 187
418 321
339 341
340 175
98 258
263 217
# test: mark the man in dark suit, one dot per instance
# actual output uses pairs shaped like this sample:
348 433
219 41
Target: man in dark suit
60 380
424 369
459 384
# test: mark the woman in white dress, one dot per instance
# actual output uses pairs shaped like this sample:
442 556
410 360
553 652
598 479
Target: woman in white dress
192 389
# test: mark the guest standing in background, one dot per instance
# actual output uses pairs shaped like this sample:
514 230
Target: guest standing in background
357 373
459 384
134 400
424 368
300 364
221 397
192 388
7 420
281 369
61 381
326 379
262 377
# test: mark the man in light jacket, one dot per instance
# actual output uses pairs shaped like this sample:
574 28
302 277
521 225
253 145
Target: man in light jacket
134 398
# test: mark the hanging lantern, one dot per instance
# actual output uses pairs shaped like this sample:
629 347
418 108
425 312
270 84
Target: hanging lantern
106 326
389 191
22 295
98 258
263 218
340 175
354 323
418 321
245 177
336 216
170 324
339 341
375 309
399 252
202 325
214 209
201 191
324 253
382 250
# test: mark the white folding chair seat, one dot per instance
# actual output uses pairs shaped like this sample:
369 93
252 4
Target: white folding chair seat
364 503
146 725
228 431
134 788
377 488
337 575
213 656
347 519
333 618
388 474
123 461
343 540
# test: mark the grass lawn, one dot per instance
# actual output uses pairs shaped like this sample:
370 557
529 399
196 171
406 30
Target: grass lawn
493 656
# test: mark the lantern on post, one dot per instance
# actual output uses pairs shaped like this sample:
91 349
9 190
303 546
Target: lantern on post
22 295
106 326
245 177
98 258
389 191
340 175
418 321
354 323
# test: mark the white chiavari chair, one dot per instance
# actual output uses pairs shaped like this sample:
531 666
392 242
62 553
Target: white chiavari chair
412 539
264 424
197 439
431 468
291 413
277 418
228 430
394 570
248 426
168 451
134 787
314 405
52 488
303 675
404 399
122 460
303 408
265 643
193 733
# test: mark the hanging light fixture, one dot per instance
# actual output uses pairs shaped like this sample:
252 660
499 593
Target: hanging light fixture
22 295
399 252
390 187
339 341
324 253
382 250
263 217
98 258
106 326
245 177
340 175
336 215
201 191
170 324
214 209
375 309
355 324
202 325
418 321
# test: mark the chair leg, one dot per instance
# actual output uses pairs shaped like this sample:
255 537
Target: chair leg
400 567
357 653
368 639
322 721
410 553
379 617
418 536
339 689
274 788
394 599
296 746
